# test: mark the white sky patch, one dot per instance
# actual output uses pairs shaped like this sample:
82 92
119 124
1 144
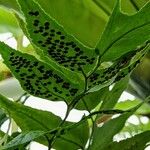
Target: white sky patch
126 96
37 146
144 120
147 148
134 120
58 108
26 42
4 127
119 137
8 39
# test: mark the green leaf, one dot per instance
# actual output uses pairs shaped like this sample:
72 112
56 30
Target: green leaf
103 135
105 77
137 142
75 16
3 117
127 6
133 129
125 33
3 137
85 31
119 69
38 78
8 22
75 138
2 134
144 109
112 97
91 100
39 54
30 119
23 138
27 118
10 4
55 43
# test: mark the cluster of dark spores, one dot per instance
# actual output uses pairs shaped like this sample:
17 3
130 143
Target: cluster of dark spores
58 46
37 78
109 73
123 73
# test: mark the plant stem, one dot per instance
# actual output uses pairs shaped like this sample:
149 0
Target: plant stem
19 40
93 123
5 138
85 79
52 140
24 94
49 144
96 67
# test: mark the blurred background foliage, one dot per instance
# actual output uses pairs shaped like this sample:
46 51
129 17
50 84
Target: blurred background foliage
86 20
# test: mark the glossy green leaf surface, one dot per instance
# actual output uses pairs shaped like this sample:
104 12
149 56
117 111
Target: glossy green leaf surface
124 33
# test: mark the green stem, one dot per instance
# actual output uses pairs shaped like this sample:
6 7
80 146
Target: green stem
19 40
53 139
49 144
85 79
93 123
67 128
19 99
5 138
96 67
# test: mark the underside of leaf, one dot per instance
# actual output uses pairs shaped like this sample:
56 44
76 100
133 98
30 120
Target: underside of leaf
54 41
38 78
